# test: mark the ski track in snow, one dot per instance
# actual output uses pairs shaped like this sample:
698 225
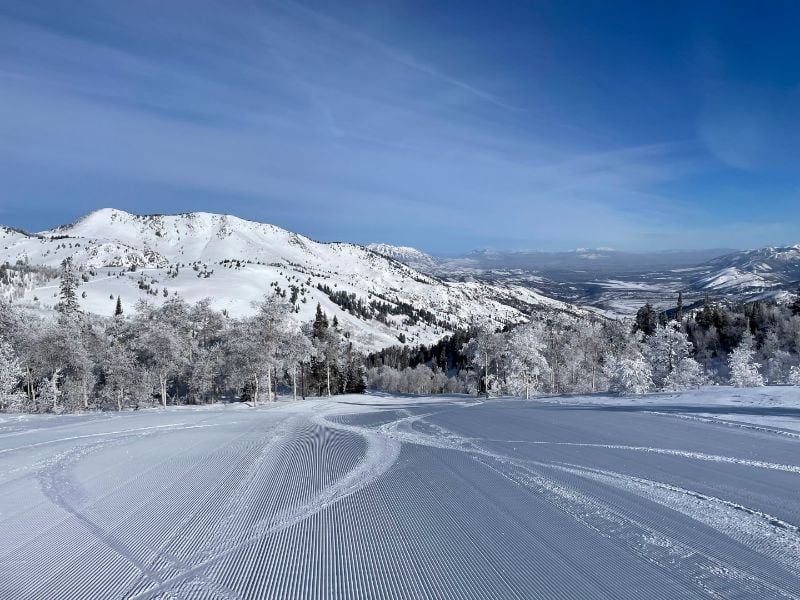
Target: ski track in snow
733 421
393 498
760 464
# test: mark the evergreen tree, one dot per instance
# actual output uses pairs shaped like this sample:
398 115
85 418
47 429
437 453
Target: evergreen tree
679 309
68 290
320 321
327 367
118 308
352 372
646 320
796 304
706 316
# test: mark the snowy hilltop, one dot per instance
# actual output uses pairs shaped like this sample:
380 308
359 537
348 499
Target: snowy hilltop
414 258
236 262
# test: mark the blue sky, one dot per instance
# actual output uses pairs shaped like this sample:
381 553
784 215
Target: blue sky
449 126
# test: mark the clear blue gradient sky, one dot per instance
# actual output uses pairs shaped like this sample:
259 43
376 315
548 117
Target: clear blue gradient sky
445 125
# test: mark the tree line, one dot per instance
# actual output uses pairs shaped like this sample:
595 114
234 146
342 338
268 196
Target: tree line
557 352
175 353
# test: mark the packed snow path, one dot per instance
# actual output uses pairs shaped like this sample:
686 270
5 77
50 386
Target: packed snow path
380 497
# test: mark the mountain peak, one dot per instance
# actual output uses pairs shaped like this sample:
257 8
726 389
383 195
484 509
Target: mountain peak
235 263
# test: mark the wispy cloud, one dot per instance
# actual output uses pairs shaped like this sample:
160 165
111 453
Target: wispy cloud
280 112
398 56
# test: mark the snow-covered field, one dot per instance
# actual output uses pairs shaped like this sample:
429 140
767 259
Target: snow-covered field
388 497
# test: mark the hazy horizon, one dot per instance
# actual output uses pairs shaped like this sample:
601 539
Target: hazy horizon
442 254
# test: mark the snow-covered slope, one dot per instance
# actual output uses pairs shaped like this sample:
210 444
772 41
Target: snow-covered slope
416 259
768 270
387 497
236 262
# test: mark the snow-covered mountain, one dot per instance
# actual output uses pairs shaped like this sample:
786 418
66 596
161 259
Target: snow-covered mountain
621 282
761 270
416 259
236 262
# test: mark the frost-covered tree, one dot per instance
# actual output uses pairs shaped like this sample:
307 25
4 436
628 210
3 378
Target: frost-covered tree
327 348
560 349
794 376
205 374
122 375
593 340
187 353
159 342
248 358
687 374
272 323
207 334
484 351
420 379
10 375
527 366
742 364
383 378
49 394
257 344
61 357
779 364
23 332
299 352
629 375
659 352
668 352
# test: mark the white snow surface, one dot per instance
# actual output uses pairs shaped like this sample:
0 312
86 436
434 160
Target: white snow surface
108 240
381 496
773 408
417 259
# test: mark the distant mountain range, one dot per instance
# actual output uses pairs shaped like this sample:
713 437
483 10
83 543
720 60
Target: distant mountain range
380 293
621 282
235 262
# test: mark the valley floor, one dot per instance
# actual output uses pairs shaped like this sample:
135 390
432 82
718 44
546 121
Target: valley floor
670 496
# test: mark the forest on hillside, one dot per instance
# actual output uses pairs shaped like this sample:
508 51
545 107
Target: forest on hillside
178 353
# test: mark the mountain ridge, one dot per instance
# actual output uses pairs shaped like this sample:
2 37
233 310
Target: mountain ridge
235 262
